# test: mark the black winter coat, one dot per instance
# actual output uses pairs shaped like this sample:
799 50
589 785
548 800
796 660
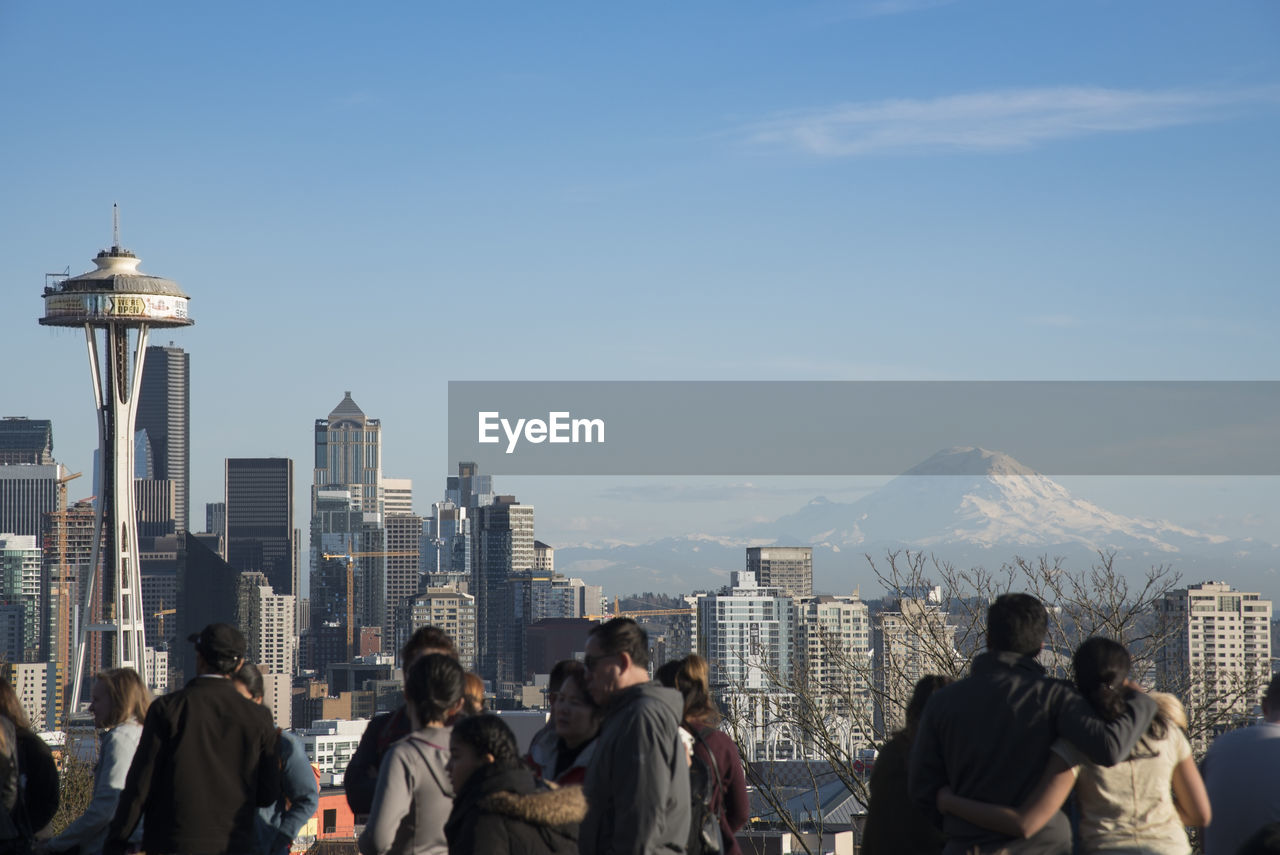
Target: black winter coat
502 811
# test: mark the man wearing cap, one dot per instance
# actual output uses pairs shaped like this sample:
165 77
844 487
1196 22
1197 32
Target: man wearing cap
205 762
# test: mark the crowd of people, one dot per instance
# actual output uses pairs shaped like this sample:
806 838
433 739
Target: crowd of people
626 764
611 772
985 764
204 771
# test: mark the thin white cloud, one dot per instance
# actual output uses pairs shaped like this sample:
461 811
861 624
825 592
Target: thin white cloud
1008 119
880 8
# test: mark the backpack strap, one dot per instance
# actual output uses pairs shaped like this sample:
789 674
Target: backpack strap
715 771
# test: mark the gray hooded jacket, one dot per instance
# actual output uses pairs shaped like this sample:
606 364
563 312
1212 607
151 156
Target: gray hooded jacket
637 785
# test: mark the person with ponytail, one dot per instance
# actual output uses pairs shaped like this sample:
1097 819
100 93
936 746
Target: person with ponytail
1126 808
412 799
718 753
499 808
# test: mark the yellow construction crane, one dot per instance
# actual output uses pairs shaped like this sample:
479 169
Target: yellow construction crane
160 619
351 584
617 612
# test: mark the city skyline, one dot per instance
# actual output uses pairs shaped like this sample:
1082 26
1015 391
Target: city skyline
844 191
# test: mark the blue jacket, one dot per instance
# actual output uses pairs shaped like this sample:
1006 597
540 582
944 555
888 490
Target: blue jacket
298 790
115 752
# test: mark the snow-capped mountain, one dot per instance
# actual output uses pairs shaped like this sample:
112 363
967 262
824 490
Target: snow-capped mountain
967 505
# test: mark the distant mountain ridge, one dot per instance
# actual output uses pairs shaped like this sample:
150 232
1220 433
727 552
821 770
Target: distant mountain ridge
967 505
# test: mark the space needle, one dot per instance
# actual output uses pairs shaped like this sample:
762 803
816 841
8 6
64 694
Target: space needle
115 300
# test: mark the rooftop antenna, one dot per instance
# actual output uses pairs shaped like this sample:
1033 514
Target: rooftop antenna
115 225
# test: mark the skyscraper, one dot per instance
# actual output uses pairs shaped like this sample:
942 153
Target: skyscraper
20 586
349 454
164 412
503 545
402 579
27 492
260 533
788 568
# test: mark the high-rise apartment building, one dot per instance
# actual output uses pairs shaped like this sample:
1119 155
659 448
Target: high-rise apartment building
164 412
503 543
833 663
1217 656
913 638
260 534
37 686
450 610
788 568
25 441
747 635
267 621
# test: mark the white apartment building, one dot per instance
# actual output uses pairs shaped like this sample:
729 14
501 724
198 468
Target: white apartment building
156 664
747 635
329 744
1218 654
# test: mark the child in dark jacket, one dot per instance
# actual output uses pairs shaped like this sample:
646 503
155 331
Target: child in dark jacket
498 807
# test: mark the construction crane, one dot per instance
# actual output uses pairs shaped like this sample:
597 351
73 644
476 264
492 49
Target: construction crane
351 584
159 616
62 643
617 612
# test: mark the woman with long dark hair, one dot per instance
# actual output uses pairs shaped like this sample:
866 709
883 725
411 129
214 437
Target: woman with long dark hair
413 798
1126 808
895 826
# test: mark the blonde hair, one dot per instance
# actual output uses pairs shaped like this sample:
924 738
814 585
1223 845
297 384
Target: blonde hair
1170 709
11 708
129 695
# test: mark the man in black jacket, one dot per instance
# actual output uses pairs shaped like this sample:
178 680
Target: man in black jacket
988 736
207 759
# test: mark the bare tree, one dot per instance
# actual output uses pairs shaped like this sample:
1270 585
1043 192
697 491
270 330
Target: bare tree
854 702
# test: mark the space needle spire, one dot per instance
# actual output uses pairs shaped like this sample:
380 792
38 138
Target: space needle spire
116 305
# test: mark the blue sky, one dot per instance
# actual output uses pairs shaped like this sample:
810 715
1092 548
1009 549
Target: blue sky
386 198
